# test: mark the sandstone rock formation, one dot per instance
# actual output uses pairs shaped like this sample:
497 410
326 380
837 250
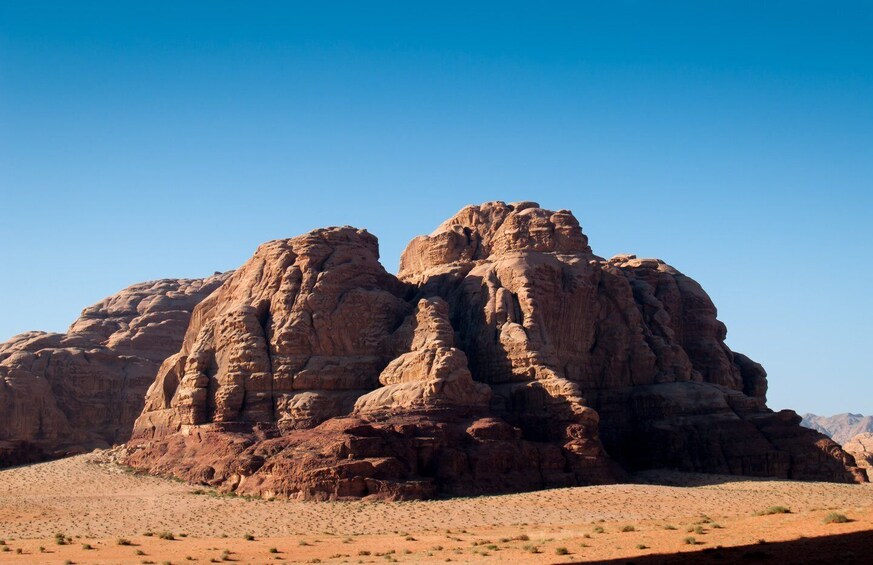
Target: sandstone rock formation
841 427
504 356
861 448
72 392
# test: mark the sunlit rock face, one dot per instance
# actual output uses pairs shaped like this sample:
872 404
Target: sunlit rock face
504 356
72 392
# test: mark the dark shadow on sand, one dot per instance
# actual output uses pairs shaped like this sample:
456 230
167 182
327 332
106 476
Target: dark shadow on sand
842 548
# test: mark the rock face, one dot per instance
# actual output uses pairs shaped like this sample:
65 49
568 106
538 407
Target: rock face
841 428
72 392
504 356
861 448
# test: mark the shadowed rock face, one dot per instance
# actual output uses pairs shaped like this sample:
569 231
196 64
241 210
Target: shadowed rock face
505 356
72 392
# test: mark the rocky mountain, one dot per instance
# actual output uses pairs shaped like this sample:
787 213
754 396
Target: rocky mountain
71 392
505 356
841 428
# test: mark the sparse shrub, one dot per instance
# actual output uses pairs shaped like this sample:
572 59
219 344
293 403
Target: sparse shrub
599 530
669 527
531 548
774 510
522 537
835 518
60 539
628 528
41 549
699 530
561 551
492 547
139 552
409 538
19 551
303 542
122 541
167 536
690 541
273 550
363 552
642 546
249 537
7 548
87 546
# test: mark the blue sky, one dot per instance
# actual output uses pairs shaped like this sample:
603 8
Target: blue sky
734 140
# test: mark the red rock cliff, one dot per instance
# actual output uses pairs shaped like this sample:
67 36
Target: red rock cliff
72 392
504 356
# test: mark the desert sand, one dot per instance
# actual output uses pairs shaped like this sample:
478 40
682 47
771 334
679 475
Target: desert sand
112 515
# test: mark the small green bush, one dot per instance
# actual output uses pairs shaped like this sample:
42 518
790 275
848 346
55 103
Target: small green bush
690 541
123 541
167 536
628 528
834 518
561 551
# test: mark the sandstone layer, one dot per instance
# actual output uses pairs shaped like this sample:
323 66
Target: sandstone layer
504 356
83 389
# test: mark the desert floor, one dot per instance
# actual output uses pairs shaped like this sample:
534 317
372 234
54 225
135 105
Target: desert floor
111 515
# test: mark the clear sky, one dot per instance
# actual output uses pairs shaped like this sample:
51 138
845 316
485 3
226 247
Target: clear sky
141 140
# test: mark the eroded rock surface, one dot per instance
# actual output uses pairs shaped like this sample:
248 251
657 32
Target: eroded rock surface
73 392
504 356
861 448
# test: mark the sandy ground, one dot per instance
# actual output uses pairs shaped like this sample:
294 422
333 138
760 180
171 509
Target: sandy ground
99 506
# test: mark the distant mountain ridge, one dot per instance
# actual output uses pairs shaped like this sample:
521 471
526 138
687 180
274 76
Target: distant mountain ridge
841 427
